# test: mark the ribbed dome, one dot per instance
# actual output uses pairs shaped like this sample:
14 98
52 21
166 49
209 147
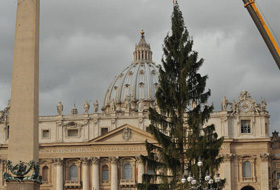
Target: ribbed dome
136 83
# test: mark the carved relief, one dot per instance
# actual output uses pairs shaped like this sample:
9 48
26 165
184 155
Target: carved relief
244 104
126 134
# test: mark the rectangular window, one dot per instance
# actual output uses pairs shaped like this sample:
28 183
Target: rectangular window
72 132
46 133
245 126
246 169
104 131
278 176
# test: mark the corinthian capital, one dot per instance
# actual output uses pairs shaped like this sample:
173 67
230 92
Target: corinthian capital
139 160
95 160
113 160
264 156
227 157
58 161
84 160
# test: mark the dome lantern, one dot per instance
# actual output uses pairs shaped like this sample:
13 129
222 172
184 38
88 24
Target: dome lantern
142 50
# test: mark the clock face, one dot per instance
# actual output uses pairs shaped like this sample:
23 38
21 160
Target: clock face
245 106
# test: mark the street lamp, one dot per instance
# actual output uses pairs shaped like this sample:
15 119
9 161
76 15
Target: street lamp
201 186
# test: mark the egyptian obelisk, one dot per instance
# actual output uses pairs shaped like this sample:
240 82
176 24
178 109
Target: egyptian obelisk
24 113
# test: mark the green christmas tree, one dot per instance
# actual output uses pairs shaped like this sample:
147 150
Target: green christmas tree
178 124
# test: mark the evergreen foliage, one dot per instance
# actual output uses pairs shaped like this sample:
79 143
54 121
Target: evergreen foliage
178 124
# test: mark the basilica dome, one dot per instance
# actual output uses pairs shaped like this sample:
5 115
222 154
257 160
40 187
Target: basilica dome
136 83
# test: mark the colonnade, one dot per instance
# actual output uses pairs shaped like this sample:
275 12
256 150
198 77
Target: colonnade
95 170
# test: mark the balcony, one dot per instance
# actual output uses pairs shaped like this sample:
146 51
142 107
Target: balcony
105 181
127 182
248 179
72 184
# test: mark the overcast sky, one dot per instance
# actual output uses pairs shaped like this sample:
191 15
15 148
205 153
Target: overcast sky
84 44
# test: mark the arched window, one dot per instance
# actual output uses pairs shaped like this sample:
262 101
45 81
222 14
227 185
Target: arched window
45 174
73 173
105 173
127 173
246 168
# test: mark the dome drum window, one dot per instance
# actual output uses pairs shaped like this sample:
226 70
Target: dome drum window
141 84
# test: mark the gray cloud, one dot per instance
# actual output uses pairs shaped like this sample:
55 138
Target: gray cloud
84 44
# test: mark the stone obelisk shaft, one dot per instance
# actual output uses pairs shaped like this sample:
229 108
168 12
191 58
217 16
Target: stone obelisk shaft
23 140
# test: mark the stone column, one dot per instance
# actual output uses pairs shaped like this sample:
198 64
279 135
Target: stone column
227 170
141 168
85 173
114 173
59 174
1 173
264 171
95 173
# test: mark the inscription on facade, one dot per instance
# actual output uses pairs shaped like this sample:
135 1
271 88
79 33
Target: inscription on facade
92 149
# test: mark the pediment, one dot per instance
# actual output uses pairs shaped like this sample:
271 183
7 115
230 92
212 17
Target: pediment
125 134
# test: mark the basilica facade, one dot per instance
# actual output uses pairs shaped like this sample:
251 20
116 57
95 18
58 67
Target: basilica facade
99 148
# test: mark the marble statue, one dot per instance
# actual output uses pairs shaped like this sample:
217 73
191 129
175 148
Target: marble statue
224 104
140 106
113 106
234 107
95 105
126 103
264 104
86 107
59 108
74 110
